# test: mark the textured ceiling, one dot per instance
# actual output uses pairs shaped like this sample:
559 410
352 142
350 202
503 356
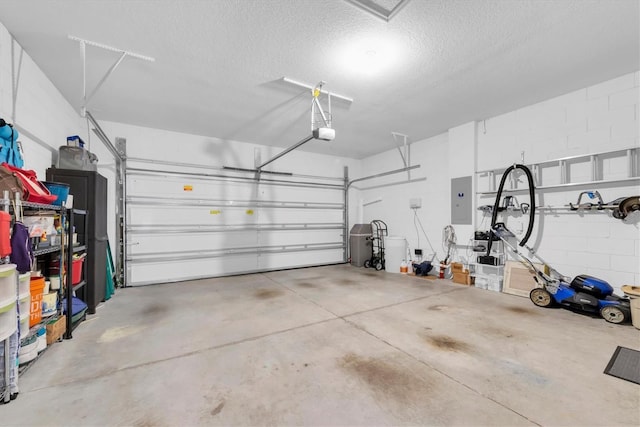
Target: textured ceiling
219 63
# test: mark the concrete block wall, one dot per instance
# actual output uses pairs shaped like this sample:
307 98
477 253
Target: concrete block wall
598 118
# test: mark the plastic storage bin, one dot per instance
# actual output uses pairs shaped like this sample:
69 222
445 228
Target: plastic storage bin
58 189
77 270
28 349
24 304
7 282
24 281
24 325
8 324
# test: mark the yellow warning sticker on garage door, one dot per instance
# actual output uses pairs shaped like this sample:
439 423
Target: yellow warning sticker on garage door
188 188
215 212
249 211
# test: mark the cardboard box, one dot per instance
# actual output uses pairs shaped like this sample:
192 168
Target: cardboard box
56 328
462 277
457 267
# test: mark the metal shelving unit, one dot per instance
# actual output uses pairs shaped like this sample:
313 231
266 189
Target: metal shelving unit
70 287
6 205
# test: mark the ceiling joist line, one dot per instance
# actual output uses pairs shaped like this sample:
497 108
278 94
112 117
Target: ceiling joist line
83 54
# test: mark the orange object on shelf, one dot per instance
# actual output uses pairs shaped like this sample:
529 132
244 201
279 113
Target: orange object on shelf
37 288
5 234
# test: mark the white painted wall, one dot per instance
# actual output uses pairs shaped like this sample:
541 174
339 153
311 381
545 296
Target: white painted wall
393 208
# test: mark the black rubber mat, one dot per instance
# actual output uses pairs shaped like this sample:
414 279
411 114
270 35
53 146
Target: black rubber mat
625 364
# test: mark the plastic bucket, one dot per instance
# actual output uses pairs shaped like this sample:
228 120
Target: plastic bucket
35 314
395 250
58 189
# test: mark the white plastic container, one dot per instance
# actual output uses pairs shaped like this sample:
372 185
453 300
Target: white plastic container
494 283
27 345
395 251
55 283
24 325
7 282
481 282
24 281
24 304
8 324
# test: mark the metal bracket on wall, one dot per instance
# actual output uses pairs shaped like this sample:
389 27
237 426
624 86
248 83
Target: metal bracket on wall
83 54
393 172
405 152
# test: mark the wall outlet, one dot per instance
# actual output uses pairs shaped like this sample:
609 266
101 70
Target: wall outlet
415 203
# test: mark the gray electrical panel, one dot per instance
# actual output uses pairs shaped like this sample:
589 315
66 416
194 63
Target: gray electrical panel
461 203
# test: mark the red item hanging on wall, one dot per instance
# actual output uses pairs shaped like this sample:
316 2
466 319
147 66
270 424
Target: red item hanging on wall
37 192
5 234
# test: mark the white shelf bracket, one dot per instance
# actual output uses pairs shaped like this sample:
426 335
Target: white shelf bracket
83 55
405 150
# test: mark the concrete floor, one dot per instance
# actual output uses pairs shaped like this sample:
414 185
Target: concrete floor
331 345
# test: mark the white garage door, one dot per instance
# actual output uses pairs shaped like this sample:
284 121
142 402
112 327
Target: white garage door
185 225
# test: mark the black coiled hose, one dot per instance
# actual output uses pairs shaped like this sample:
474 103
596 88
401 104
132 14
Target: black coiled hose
496 205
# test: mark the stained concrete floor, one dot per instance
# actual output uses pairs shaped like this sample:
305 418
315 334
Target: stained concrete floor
333 345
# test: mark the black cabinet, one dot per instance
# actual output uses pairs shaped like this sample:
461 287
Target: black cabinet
89 190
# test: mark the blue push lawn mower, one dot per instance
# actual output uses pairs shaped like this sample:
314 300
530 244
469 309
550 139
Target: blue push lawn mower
583 293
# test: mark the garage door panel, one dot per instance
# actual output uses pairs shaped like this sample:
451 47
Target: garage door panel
305 194
190 215
300 237
180 270
299 259
179 228
160 187
182 242
300 216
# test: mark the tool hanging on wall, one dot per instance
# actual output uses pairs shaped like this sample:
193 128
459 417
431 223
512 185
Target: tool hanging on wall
620 207
509 203
588 205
